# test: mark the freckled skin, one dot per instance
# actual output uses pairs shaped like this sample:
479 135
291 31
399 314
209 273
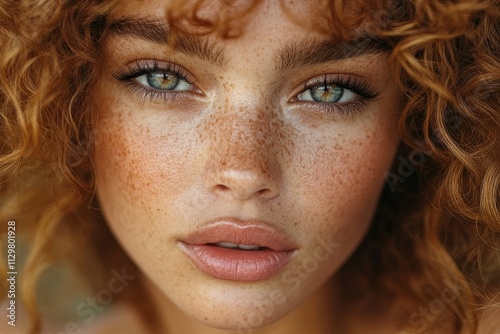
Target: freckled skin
240 149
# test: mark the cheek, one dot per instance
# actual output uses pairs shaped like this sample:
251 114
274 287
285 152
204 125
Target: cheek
338 180
138 176
347 176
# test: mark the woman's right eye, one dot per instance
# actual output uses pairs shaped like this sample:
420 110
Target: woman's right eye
164 80
155 79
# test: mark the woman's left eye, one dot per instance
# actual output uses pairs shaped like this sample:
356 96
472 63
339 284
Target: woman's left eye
163 80
327 93
336 94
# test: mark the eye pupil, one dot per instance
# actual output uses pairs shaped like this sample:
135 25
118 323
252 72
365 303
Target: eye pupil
163 80
327 93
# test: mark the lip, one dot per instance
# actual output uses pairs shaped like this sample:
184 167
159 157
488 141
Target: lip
235 264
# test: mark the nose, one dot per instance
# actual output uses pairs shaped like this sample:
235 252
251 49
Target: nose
241 162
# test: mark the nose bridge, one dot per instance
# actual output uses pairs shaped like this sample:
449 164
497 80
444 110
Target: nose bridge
241 159
243 137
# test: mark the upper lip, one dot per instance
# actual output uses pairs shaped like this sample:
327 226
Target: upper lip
248 232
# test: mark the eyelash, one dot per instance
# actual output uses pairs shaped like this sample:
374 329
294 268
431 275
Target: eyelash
351 83
143 67
348 82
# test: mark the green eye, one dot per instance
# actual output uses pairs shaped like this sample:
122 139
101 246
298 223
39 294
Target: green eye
327 93
163 80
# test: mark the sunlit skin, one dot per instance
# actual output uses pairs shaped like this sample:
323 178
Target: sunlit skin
241 140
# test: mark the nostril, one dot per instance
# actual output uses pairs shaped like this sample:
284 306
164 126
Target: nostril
243 184
222 188
263 192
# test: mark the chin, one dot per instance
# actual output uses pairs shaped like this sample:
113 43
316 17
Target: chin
246 308
240 318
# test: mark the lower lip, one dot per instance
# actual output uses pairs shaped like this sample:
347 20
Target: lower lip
237 265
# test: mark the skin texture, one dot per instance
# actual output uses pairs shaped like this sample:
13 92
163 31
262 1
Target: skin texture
241 145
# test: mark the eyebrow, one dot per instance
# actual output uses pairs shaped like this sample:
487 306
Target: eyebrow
155 31
313 52
308 52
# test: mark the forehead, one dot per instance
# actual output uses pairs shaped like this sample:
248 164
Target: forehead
262 29
267 17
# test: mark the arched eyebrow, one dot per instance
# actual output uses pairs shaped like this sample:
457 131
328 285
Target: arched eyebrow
303 53
157 32
313 52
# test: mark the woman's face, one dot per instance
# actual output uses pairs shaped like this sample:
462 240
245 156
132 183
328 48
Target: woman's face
278 138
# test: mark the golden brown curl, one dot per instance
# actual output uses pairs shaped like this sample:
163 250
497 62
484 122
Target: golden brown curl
446 61
49 61
441 224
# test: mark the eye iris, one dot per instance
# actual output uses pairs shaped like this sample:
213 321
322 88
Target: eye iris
327 93
165 81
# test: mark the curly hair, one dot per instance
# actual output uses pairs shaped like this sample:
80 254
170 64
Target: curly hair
438 219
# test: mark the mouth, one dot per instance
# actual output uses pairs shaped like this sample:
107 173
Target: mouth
233 250
238 246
